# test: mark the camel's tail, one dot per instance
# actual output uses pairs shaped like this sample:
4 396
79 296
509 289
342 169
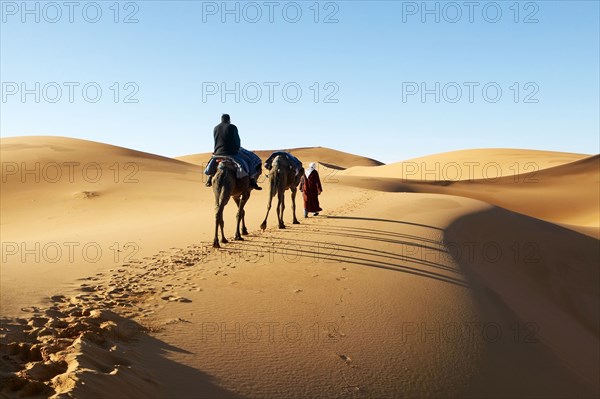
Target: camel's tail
221 177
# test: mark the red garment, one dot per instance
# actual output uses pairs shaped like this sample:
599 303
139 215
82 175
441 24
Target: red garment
311 188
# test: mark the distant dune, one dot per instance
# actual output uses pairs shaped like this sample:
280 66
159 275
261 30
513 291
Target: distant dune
486 163
333 158
568 193
413 281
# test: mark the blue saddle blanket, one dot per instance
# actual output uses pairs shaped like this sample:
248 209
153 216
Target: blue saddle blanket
294 162
247 164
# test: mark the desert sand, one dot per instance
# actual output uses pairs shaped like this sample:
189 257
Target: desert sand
466 274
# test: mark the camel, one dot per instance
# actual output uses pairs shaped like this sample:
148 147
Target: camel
225 186
282 177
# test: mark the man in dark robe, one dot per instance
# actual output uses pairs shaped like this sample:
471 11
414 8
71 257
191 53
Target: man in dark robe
227 138
310 185
227 143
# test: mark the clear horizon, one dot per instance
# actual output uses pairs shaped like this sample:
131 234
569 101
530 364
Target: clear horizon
386 80
308 146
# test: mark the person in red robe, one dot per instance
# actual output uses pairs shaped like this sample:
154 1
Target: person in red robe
311 188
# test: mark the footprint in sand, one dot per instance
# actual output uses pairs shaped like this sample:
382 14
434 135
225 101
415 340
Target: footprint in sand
30 309
175 298
175 321
38 321
58 298
345 358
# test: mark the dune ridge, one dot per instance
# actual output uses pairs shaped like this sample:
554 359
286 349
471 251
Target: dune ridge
374 291
544 195
335 158
474 164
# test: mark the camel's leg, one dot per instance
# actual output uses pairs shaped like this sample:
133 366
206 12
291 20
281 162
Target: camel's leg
223 200
218 216
294 190
238 219
244 229
218 223
242 214
263 225
223 239
281 207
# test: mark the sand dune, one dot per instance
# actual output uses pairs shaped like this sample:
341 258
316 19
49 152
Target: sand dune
487 163
566 194
401 288
333 158
544 274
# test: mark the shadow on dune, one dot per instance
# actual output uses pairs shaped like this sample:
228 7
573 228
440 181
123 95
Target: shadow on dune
175 379
332 166
384 220
375 233
65 350
407 256
542 281
535 282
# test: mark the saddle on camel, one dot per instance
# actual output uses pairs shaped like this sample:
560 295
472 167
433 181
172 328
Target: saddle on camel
228 147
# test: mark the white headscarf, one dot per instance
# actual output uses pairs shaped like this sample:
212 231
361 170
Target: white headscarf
311 168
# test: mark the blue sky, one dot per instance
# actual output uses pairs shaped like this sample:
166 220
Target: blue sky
361 68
